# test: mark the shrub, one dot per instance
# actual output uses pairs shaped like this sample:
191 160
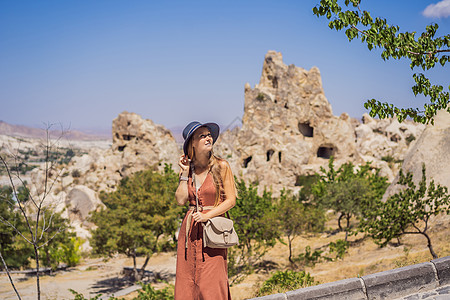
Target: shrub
310 258
339 247
150 293
283 281
261 97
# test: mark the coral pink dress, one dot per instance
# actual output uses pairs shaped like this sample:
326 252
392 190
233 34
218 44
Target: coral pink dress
202 272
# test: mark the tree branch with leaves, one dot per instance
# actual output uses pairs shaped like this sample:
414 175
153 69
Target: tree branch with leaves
424 51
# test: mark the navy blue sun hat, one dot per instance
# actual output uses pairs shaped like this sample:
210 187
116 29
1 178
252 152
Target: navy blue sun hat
193 126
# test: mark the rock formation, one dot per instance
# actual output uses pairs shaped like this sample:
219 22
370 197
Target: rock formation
288 126
432 149
289 130
138 144
141 144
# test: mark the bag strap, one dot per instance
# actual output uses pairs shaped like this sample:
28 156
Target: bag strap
195 189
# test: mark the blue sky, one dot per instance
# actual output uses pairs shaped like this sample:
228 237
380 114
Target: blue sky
83 62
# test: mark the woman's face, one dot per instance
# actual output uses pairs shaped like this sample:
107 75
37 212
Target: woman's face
202 140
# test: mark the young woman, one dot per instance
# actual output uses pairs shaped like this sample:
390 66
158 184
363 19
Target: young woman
202 271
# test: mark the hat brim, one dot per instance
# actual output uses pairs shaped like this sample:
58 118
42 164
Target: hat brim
213 128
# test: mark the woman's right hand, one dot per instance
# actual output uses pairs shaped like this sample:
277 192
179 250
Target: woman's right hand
184 163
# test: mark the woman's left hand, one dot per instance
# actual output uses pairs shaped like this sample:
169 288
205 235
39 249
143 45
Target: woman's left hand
200 217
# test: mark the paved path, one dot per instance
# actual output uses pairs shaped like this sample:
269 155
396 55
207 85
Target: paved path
440 293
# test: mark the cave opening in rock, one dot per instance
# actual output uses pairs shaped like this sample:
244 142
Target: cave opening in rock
275 82
325 152
246 161
395 138
279 157
306 129
269 154
127 137
120 148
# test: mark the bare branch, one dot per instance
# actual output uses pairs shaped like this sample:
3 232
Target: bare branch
60 229
361 31
9 276
359 8
428 53
58 175
426 223
417 228
43 226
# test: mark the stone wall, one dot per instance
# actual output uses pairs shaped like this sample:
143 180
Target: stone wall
408 282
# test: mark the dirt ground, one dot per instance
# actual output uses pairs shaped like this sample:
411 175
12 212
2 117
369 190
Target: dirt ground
91 277
95 276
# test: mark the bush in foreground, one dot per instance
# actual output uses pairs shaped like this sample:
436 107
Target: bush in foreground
283 281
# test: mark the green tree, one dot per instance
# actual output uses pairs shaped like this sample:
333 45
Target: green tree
306 182
349 191
257 226
60 245
424 51
14 249
140 218
298 217
408 211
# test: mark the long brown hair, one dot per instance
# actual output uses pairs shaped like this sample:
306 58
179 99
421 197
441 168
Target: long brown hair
214 167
